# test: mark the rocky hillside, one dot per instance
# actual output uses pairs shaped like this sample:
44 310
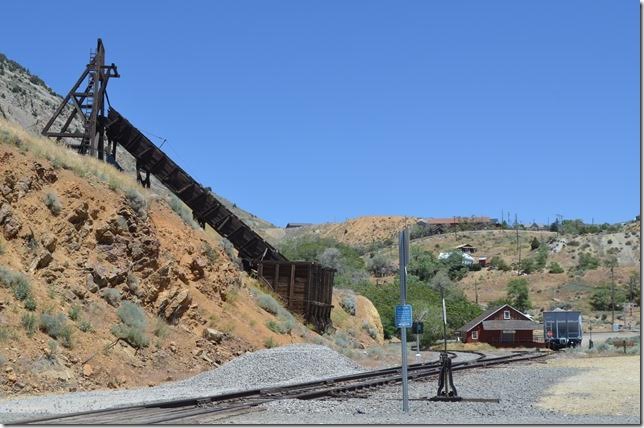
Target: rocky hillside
102 284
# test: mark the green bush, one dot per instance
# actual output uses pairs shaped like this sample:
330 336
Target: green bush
456 270
498 263
85 326
74 311
555 268
17 282
371 330
587 262
534 244
376 353
30 323
422 263
132 315
275 327
348 303
30 304
53 203
380 266
269 343
600 300
210 252
527 266
134 336
132 325
518 296
132 282
56 327
268 303
137 201
342 340
541 258
53 324
160 328
111 296
182 211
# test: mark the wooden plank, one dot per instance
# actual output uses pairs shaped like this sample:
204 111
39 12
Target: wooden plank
291 285
277 275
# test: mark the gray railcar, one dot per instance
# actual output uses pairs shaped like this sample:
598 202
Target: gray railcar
562 329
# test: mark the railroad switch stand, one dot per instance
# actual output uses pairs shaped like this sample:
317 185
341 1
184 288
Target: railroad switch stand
446 389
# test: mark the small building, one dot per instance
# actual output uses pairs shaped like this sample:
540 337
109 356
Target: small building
502 326
467 259
467 248
294 225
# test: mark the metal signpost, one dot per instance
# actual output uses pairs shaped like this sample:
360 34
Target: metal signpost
403 312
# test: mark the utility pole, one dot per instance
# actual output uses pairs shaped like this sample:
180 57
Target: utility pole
454 225
612 295
403 250
516 226
476 291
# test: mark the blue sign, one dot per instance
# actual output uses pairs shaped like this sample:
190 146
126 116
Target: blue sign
403 316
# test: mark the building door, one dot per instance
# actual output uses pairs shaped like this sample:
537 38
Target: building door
507 337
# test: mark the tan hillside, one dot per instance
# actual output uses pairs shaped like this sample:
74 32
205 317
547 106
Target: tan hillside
360 231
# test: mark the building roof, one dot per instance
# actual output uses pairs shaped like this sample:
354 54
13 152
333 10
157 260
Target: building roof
457 220
458 247
510 325
292 225
476 321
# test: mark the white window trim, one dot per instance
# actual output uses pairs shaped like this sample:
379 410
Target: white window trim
475 335
506 315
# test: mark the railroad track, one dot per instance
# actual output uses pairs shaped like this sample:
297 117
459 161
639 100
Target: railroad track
186 410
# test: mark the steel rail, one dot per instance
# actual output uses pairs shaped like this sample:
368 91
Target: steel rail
172 410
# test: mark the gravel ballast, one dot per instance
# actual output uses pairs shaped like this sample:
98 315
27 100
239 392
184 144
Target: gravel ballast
519 388
268 367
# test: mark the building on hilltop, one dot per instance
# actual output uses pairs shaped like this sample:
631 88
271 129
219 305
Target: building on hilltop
467 248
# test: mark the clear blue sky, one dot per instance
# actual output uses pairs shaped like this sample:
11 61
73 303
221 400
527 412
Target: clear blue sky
313 111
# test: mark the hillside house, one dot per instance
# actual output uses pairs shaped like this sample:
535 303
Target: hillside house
467 248
467 259
501 326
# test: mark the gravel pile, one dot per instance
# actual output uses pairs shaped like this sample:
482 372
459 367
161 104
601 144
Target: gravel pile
268 367
518 388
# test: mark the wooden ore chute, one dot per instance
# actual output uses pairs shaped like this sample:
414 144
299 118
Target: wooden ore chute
305 287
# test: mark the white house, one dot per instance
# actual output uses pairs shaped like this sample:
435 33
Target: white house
467 259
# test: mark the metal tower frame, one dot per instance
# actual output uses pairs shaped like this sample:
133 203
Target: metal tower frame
89 105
